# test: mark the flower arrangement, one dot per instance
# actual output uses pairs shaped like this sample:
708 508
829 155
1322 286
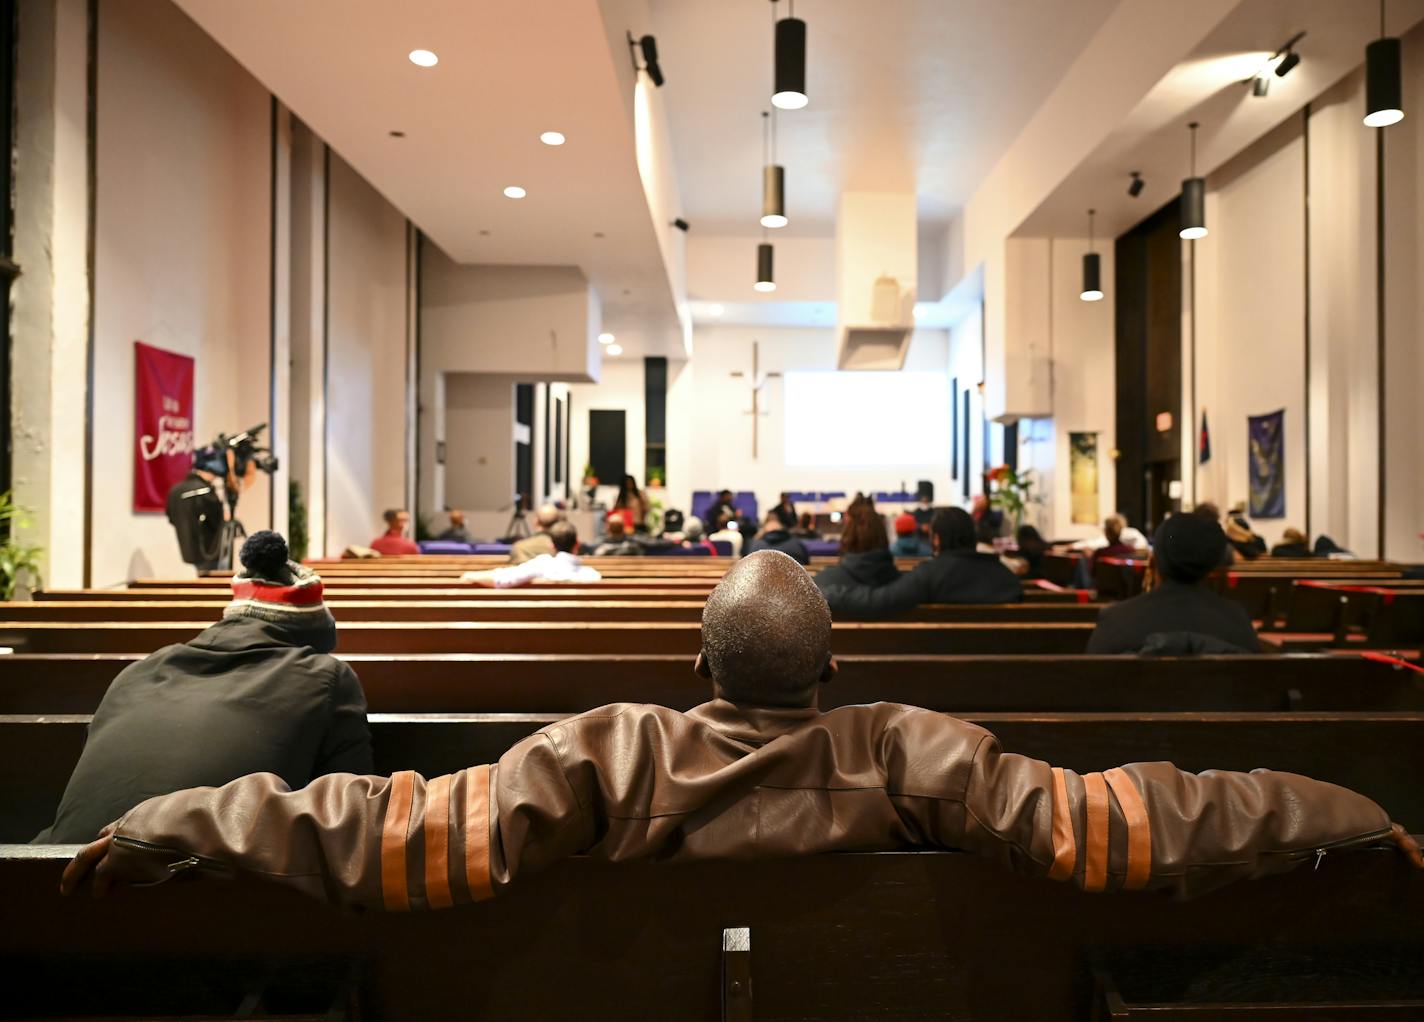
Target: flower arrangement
1011 492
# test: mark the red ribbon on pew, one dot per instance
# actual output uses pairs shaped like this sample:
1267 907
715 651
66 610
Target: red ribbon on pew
1385 658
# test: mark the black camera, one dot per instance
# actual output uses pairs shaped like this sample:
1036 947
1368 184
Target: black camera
246 451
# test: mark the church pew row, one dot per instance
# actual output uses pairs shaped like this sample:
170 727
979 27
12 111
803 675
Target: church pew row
1379 754
560 637
512 610
1319 605
837 937
224 584
569 683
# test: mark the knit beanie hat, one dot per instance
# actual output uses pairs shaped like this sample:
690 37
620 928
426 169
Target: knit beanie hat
276 589
1188 547
905 525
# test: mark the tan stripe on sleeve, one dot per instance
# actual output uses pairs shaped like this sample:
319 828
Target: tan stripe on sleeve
395 887
477 833
1065 844
1139 831
1095 834
437 843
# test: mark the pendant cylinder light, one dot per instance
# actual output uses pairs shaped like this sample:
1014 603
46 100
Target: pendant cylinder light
1092 268
764 281
773 196
1193 202
1383 86
789 92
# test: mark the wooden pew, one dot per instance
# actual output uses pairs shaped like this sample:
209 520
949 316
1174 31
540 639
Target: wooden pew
837 937
1379 754
559 637
509 610
569 683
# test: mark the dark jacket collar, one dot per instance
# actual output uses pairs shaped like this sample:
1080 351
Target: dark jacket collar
750 724
871 567
241 634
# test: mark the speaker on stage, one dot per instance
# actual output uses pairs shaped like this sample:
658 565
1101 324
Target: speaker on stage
925 490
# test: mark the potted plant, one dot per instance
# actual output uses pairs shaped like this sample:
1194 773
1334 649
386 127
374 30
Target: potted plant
1011 492
297 538
590 480
19 562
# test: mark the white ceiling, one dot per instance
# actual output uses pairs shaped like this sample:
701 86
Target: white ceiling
905 95
508 71
1208 87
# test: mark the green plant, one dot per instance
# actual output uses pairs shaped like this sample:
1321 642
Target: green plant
19 562
1012 492
297 538
655 476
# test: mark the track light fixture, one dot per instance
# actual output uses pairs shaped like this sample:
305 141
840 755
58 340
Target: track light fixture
648 47
1384 89
789 88
1135 188
1277 65
765 281
773 176
1193 198
1092 268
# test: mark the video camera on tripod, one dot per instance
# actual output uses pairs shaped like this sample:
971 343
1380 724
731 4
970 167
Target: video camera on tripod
206 535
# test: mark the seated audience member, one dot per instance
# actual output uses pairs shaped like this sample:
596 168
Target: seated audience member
1327 547
532 546
865 562
1031 547
692 535
1113 527
457 533
255 693
632 506
1241 536
757 772
1178 615
721 505
957 573
725 529
394 542
785 512
774 536
806 527
1294 543
908 542
986 541
1129 536
619 542
563 565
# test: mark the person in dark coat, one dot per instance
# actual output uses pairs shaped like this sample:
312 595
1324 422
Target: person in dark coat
785 512
957 573
1294 543
776 536
1178 614
866 561
258 692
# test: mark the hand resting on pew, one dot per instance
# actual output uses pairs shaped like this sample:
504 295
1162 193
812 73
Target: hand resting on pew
758 771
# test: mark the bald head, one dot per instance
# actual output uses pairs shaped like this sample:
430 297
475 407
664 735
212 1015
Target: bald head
546 516
766 633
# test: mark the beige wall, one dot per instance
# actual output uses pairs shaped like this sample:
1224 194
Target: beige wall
479 441
182 257
366 359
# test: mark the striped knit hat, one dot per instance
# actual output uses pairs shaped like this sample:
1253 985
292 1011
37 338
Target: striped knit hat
274 588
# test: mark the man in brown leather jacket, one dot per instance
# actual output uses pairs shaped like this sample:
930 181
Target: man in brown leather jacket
758 771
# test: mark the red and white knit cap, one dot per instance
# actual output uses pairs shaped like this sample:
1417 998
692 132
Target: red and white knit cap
274 588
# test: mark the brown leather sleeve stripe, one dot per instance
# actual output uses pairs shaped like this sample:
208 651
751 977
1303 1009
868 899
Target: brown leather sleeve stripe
1095 836
1065 845
1139 831
437 843
477 833
395 888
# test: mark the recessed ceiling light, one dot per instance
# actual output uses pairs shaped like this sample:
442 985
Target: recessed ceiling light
484 232
605 338
614 349
396 134
515 192
715 309
598 234
423 58
552 138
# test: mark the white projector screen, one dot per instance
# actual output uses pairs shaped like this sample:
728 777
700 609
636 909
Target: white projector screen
862 420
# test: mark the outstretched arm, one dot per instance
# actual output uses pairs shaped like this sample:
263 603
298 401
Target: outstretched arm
857 602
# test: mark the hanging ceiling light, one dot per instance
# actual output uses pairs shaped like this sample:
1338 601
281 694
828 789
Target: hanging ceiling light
1193 198
1092 268
764 281
789 91
1383 81
773 176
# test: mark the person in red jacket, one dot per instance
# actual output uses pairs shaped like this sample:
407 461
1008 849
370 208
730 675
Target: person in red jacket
394 542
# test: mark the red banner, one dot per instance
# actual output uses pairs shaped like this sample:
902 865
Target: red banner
163 407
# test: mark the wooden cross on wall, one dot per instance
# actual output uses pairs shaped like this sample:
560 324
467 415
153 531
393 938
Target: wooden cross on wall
758 381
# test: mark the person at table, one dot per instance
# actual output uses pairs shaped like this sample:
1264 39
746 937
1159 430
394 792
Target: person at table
395 542
457 533
759 771
775 536
785 512
908 541
563 565
865 561
530 547
256 692
631 505
1178 615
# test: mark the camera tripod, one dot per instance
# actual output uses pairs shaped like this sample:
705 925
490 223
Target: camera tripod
518 527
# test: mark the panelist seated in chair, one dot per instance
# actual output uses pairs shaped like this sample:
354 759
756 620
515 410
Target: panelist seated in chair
1178 615
563 565
957 573
258 691
759 771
